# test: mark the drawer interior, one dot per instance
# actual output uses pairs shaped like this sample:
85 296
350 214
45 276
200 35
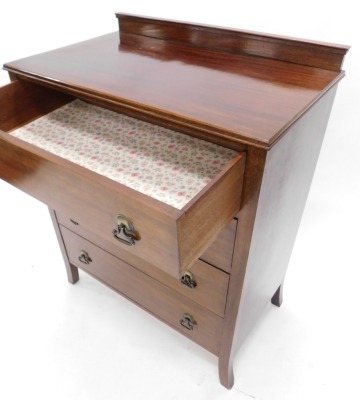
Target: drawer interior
22 102
163 164
67 154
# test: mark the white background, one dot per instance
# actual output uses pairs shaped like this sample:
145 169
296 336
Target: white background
59 341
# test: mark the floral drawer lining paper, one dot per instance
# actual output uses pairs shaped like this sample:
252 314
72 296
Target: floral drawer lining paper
166 165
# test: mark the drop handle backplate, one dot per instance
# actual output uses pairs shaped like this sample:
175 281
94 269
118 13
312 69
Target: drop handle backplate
188 322
125 231
188 280
84 257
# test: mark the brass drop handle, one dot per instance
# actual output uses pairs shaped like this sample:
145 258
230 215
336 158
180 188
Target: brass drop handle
188 322
125 232
189 280
84 257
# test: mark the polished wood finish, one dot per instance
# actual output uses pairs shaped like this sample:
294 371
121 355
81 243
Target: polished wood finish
71 271
268 226
21 102
224 97
212 283
253 178
267 97
170 238
153 296
209 212
304 52
220 253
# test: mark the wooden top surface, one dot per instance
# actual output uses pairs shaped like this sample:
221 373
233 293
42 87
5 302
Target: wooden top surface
233 95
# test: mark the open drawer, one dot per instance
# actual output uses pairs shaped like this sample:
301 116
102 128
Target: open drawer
79 180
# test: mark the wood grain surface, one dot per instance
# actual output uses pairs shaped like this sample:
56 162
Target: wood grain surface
155 297
299 51
220 252
229 97
212 283
268 97
169 238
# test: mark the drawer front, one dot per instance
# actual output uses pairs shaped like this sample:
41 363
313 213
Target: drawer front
160 300
220 253
211 283
169 238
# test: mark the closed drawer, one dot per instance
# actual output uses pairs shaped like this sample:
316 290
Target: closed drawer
162 301
211 283
169 237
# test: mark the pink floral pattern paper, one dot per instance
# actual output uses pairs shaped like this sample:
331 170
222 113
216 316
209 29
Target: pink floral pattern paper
164 164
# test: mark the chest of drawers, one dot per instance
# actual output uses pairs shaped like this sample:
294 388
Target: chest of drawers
176 162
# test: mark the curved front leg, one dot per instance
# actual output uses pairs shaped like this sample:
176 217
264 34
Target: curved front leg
226 372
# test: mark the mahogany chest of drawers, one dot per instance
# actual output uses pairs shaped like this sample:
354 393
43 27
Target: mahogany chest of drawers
176 161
